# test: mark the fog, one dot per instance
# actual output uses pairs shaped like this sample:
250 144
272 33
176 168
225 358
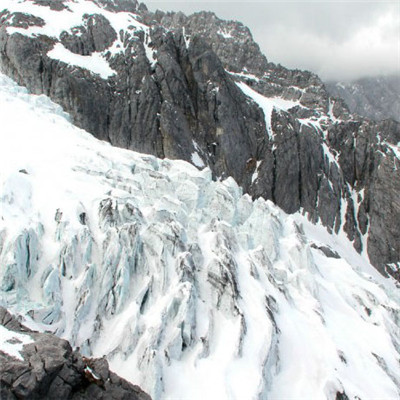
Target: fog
339 40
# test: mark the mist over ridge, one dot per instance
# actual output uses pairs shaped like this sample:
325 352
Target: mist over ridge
340 41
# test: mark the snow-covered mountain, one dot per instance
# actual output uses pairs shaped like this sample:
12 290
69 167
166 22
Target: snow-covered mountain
190 288
197 88
181 264
373 97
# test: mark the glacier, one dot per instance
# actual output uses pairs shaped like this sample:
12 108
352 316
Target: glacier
188 287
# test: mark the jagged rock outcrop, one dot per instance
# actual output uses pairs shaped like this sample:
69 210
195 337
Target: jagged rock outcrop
198 88
377 98
43 366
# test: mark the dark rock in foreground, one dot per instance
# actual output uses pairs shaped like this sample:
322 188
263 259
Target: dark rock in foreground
50 369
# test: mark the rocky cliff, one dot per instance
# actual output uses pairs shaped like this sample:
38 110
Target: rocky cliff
189 288
377 98
37 365
198 88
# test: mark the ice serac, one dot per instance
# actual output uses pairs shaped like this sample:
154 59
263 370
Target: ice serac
38 365
189 288
197 88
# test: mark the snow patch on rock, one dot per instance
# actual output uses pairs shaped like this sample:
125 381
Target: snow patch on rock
12 343
267 104
94 62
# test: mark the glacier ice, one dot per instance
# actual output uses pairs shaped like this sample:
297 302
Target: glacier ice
188 287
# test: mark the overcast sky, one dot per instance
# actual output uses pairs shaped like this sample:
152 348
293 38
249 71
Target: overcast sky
337 39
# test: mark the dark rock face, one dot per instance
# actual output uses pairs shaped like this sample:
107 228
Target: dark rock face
377 98
341 396
95 35
174 94
57 5
326 250
50 369
119 5
225 37
384 204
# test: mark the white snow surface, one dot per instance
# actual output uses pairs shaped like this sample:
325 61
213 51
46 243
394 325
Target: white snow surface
95 62
12 343
267 104
75 16
245 75
225 34
190 289
195 157
394 148
197 161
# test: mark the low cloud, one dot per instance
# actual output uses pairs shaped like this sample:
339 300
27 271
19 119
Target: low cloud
340 40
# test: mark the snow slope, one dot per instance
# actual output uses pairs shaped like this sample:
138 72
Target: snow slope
56 23
267 104
189 288
12 343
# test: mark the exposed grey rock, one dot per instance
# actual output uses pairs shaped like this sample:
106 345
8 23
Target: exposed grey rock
341 396
225 37
50 369
119 5
326 250
57 5
95 35
22 20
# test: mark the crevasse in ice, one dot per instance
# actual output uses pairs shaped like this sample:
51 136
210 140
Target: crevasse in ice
190 288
